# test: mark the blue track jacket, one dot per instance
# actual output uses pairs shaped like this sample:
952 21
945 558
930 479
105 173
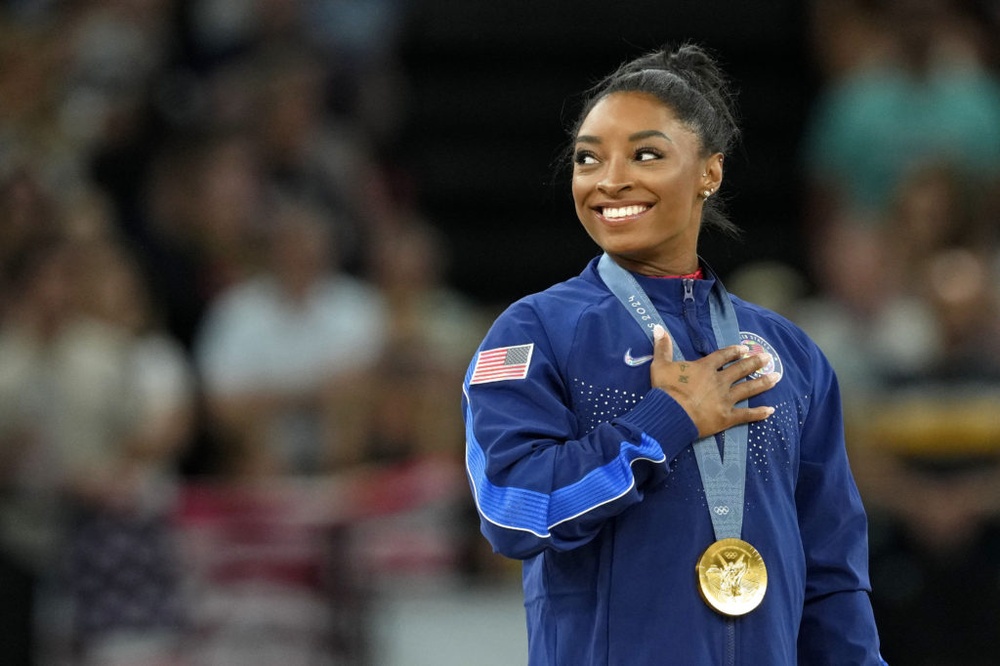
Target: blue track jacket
588 475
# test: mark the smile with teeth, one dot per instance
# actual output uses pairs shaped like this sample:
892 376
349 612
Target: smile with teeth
623 211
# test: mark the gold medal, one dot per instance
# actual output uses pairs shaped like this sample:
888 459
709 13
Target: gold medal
732 577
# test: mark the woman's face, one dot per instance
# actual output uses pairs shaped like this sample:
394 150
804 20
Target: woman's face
638 174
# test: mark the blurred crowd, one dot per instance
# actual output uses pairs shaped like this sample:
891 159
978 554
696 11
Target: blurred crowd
209 269
212 268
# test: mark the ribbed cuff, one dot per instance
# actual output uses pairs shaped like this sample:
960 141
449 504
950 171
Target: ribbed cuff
662 418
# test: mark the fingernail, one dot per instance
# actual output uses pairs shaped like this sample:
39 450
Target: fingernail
770 410
658 332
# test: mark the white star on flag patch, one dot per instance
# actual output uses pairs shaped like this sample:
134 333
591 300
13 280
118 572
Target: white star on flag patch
502 363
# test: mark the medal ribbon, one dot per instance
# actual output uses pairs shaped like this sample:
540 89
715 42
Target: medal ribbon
723 476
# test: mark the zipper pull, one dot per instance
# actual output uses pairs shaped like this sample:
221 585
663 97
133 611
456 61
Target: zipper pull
688 289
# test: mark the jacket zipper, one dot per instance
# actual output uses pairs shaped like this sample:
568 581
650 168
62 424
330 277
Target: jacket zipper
691 317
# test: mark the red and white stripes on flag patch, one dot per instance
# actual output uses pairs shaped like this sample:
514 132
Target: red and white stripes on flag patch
502 363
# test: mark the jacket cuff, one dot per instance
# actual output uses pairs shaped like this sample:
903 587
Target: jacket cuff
662 418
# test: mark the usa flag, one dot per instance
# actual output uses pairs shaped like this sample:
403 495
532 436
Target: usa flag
502 363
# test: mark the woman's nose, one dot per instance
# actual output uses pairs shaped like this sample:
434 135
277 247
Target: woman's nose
615 180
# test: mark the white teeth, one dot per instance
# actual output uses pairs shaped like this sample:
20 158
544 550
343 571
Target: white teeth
624 211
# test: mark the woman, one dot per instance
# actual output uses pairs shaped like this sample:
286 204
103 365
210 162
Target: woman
666 459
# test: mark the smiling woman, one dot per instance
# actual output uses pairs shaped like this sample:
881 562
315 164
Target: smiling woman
700 506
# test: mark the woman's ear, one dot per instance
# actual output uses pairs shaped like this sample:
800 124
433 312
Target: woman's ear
711 177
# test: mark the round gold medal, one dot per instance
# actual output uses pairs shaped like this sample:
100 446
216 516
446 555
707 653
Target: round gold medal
732 577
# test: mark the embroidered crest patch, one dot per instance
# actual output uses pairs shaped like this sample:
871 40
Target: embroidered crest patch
758 345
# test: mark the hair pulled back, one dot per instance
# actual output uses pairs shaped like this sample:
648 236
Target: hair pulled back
688 80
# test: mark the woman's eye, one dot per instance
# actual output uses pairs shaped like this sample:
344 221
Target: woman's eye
645 154
583 157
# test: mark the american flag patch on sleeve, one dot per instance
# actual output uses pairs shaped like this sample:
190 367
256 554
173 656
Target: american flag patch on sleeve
502 363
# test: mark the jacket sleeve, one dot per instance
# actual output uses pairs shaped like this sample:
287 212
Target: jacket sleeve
537 481
838 626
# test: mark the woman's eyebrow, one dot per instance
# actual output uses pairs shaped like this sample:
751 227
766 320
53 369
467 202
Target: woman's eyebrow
645 134
637 136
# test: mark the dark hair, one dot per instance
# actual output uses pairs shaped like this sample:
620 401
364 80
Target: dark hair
688 80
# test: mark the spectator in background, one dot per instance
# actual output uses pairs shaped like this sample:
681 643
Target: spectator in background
941 251
410 262
278 351
434 331
95 408
124 575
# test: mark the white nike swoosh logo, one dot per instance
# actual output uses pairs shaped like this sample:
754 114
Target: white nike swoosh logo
635 361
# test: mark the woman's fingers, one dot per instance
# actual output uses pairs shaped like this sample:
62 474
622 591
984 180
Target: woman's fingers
737 363
663 346
751 387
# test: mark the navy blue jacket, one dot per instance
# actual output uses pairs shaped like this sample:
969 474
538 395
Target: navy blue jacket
587 474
